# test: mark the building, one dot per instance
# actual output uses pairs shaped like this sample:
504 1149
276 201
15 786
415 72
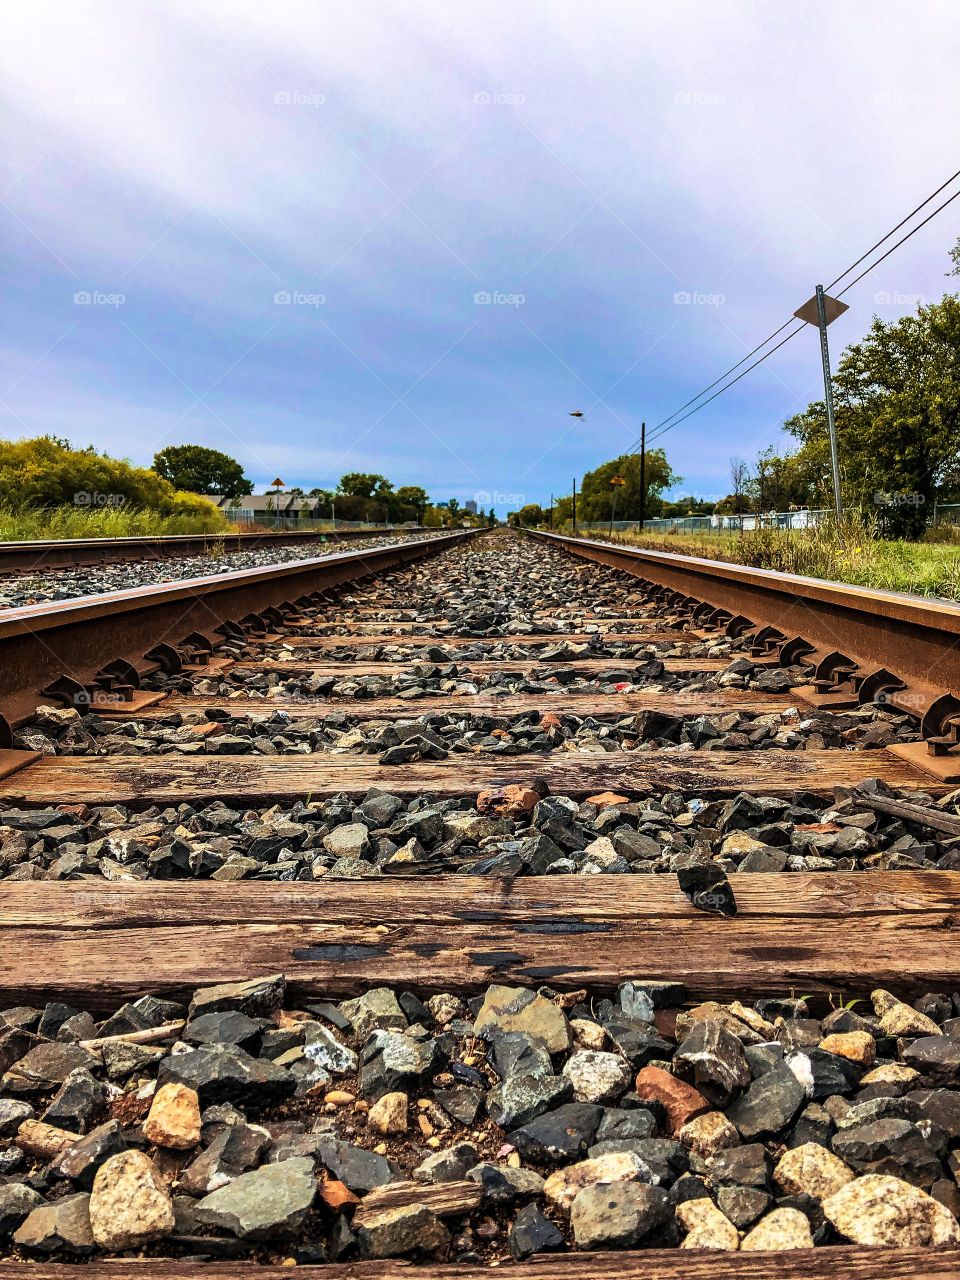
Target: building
261 506
470 507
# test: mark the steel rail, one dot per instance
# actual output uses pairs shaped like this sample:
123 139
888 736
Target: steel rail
97 648
61 553
863 645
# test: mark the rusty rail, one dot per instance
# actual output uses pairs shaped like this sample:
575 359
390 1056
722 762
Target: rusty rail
59 554
98 648
862 645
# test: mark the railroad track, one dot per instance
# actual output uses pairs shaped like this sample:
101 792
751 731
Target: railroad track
437 769
42 555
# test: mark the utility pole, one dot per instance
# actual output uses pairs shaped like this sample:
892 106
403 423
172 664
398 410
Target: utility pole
551 511
643 473
822 310
574 506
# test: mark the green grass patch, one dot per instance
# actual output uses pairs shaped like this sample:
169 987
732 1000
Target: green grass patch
844 552
47 523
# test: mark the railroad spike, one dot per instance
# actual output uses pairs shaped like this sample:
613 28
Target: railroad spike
166 657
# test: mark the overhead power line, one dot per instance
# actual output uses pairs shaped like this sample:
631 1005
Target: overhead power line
674 420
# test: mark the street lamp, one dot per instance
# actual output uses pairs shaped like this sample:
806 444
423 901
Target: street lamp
822 310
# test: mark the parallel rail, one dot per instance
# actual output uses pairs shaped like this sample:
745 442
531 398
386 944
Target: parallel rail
73 650
40 556
863 645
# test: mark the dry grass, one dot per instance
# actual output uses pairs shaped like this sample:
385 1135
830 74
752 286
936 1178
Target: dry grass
844 552
102 522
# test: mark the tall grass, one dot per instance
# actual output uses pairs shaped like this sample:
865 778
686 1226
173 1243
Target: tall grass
40 524
841 551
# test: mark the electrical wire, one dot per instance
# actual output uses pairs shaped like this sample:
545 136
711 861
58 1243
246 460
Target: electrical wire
666 424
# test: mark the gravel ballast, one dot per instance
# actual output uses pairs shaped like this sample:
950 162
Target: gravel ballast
517 830
243 1124
71 582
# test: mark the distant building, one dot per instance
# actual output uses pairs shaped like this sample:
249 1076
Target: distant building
470 507
254 506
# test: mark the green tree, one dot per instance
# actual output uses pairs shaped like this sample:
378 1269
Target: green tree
197 469
360 484
897 396
415 497
531 514
594 502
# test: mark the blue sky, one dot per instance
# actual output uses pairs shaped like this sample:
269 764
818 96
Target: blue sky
298 205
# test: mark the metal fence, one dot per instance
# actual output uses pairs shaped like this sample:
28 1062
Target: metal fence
273 520
943 513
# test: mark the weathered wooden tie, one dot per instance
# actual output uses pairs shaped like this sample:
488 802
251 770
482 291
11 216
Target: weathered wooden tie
249 780
828 933
580 703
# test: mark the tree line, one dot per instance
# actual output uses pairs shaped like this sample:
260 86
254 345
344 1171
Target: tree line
47 472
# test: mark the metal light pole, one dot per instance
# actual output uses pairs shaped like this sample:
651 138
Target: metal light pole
574 505
822 310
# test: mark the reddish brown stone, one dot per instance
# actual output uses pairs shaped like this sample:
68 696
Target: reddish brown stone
336 1196
508 802
680 1100
606 799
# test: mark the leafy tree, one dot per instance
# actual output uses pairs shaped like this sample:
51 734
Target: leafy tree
531 514
594 501
197 469
689 506
412 495
897 395
44 472
360 484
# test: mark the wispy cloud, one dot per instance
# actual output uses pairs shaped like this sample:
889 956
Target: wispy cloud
402 161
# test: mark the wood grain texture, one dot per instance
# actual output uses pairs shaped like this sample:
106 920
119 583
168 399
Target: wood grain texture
252 779
99 944
840 1262
581 703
